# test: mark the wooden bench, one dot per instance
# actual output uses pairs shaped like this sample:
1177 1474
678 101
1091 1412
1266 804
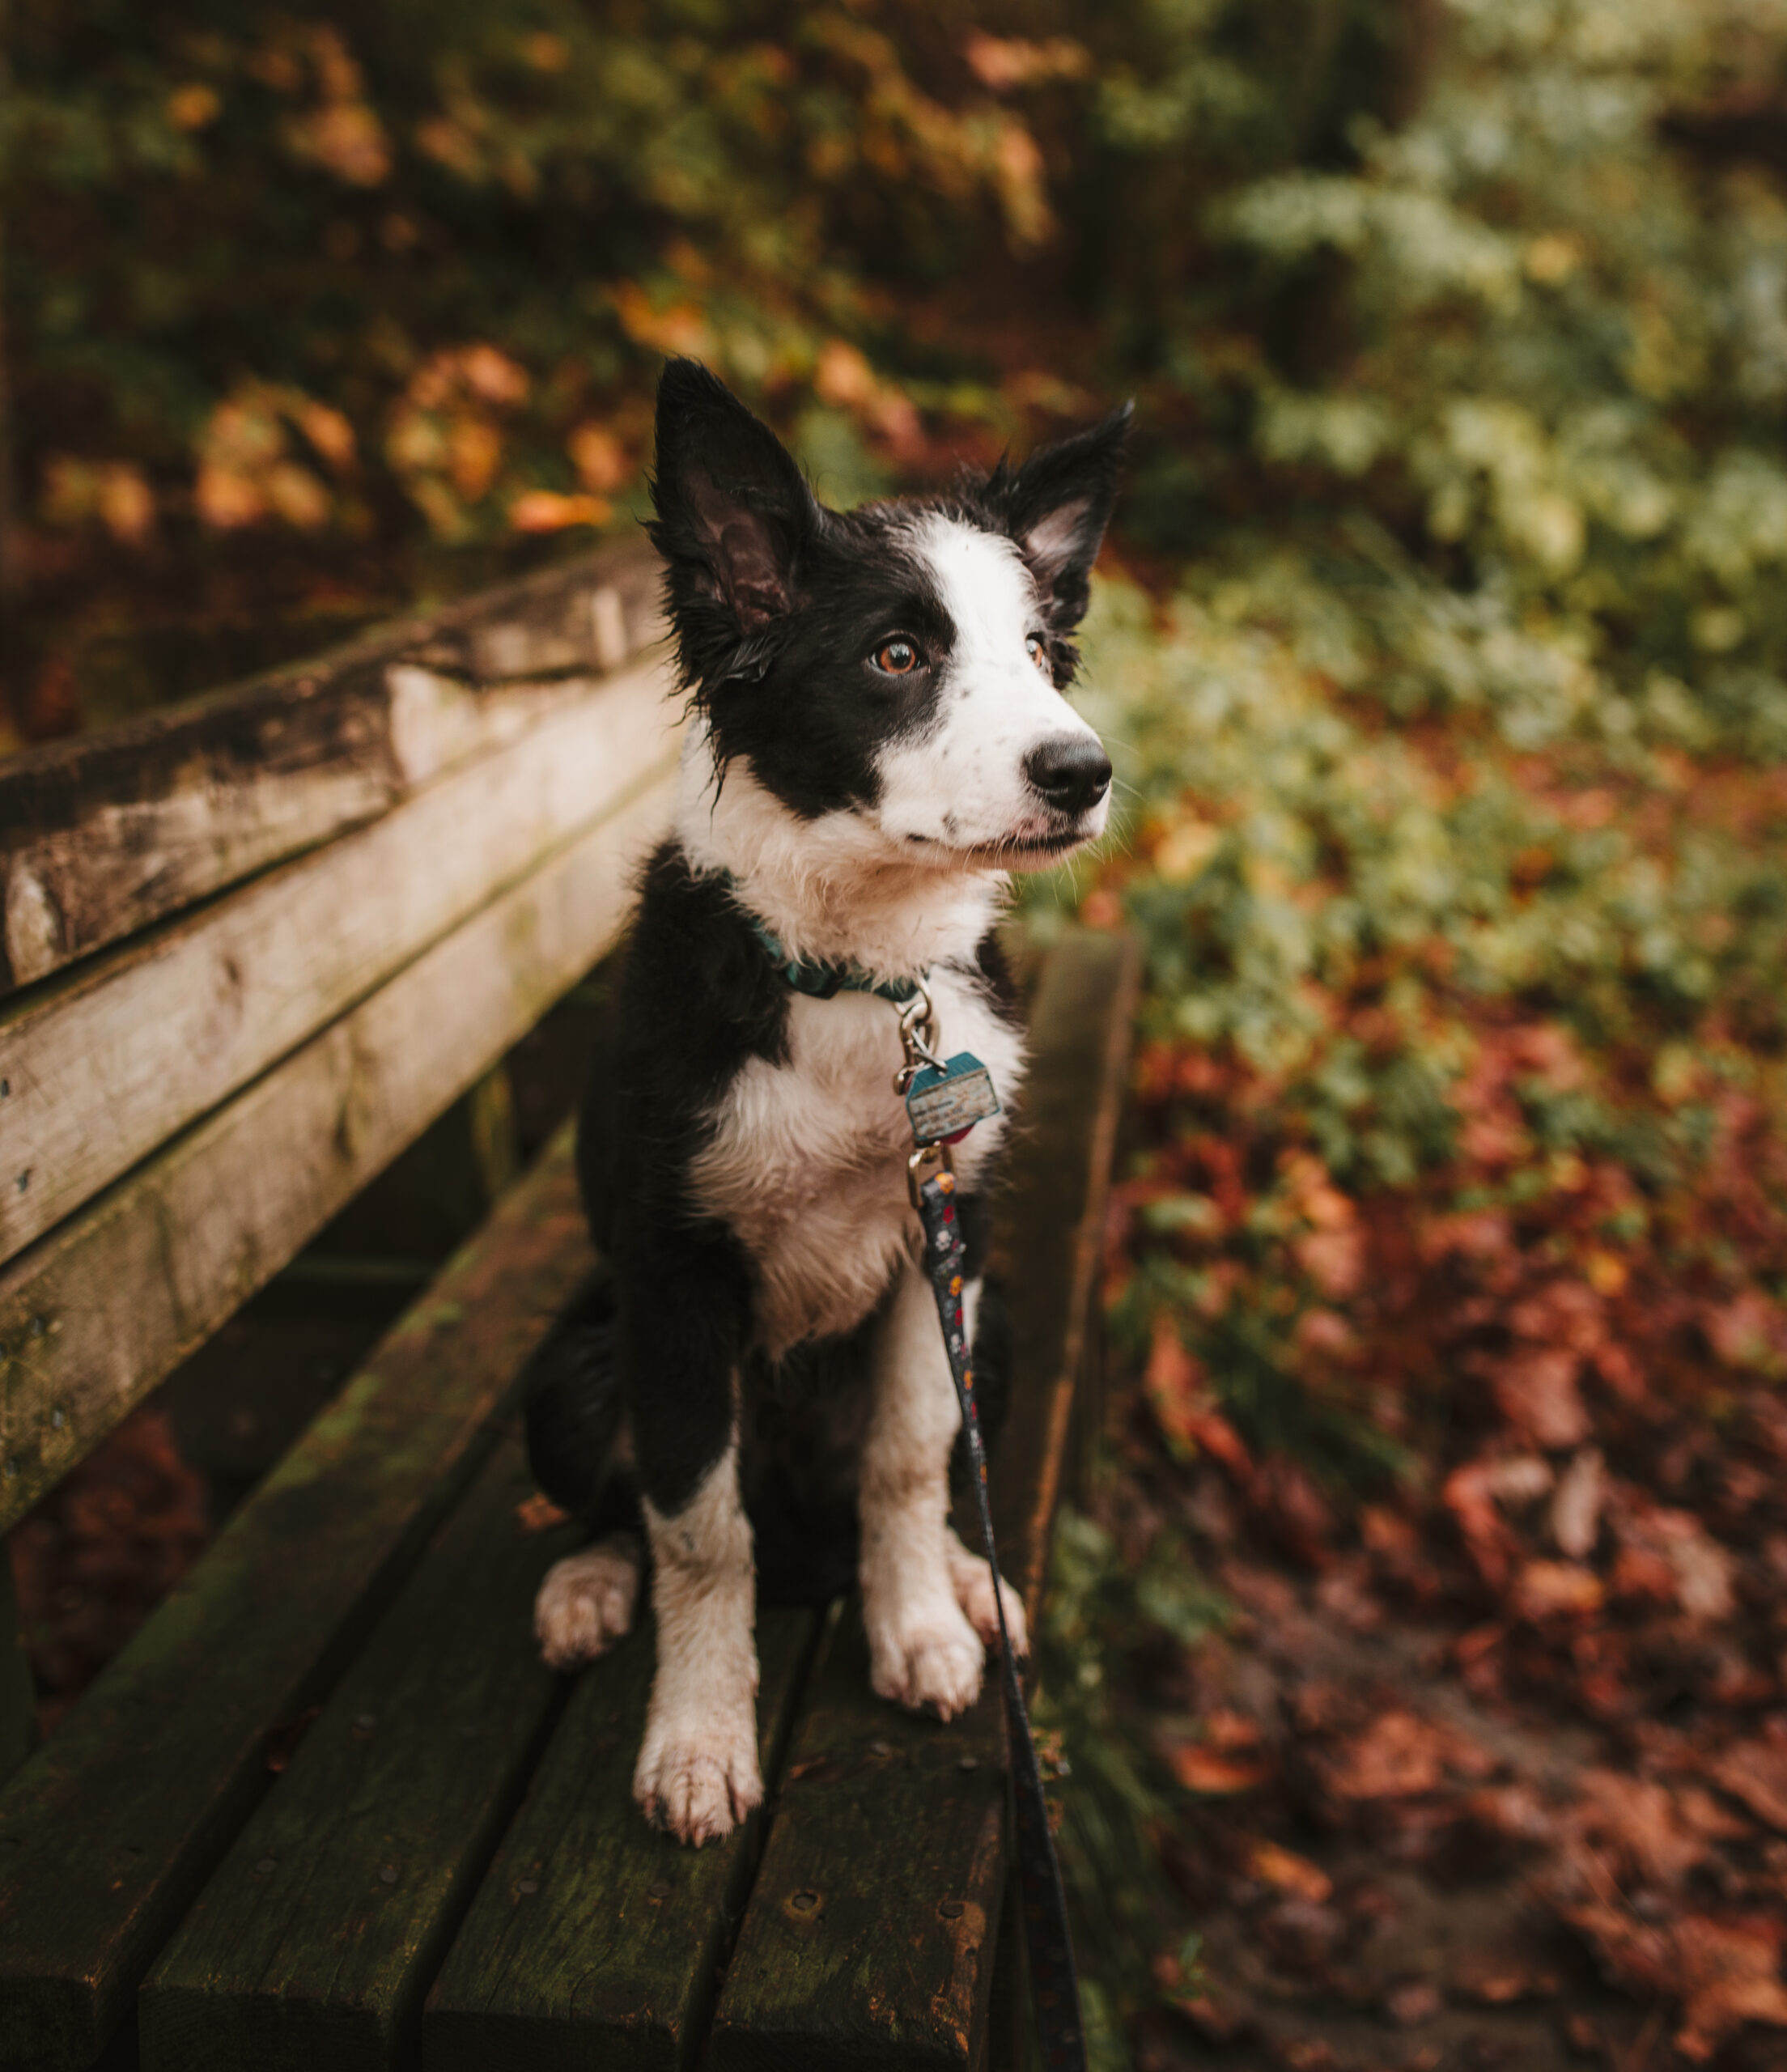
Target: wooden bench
327 1808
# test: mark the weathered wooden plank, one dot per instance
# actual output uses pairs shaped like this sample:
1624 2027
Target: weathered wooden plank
869 1938
594 1940
18 1693
421 1206
104 834
1049 1227
315 1938
173 1023
93 1315
108 1832
896 1823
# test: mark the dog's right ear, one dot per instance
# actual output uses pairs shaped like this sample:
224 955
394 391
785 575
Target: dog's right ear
734 511
1057 506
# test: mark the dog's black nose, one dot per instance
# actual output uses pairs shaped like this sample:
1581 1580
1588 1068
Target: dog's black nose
1070 770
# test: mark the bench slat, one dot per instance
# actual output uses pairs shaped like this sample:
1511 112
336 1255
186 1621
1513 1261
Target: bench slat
609 1959
104 834
174 1023
108 1830
898 1847
95 1314
904 1848
1050 1229
314 1943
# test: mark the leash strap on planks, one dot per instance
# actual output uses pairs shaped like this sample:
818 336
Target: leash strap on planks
944 1099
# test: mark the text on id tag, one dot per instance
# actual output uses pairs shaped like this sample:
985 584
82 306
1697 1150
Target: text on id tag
945 1101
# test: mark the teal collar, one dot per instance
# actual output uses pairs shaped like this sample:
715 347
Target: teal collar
820 981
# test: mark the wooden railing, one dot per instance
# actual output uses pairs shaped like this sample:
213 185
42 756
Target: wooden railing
255 944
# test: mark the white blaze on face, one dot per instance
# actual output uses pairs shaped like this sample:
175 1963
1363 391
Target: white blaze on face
961 784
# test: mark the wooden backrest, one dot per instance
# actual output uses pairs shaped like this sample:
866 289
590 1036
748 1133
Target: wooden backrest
255 944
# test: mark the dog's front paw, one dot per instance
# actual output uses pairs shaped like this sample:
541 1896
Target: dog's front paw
699 1781
929 1655
972 1581
585 1604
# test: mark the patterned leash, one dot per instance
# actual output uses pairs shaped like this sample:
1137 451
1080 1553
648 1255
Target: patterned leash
944 1099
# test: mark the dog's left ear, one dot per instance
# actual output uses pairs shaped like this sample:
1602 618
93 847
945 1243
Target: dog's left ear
1056 508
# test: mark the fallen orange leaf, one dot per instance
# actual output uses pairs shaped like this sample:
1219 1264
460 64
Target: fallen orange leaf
1204 1770
1557 1590
1288 1872
537 1513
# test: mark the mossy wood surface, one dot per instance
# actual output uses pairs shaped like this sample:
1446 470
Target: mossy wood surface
180 1243
164 1028
108 1832
18 1696
104 834
314 1942
1050 1230
597 1940
868 1940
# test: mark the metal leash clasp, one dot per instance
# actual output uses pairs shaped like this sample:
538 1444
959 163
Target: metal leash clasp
918 1036
926 1162
918 1033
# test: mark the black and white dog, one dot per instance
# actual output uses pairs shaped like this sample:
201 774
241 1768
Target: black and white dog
878 735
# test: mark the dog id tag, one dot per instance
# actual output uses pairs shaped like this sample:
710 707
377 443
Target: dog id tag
945 1101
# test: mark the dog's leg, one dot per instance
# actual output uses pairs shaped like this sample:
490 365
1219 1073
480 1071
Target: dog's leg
681 1317
972 1581
698 1771
586 1603
922 1650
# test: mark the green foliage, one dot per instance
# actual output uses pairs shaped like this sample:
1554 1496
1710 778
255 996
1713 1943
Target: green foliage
1568 362
1104 1615
1301 848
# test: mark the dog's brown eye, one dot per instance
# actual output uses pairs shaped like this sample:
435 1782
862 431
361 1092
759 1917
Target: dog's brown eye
897 657
1039 654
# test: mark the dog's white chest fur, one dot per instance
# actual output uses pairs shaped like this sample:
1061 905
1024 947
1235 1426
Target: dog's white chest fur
808 1160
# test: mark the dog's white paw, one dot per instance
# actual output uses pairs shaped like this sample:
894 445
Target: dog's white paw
928 1654
972 1581
700 1782
586 1603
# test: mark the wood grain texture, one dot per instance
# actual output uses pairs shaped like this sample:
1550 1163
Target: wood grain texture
18 1693
104 1068
594 1940
315 1940
95 1314
898 1822
110 1828
1048 1228
868 1939
103 835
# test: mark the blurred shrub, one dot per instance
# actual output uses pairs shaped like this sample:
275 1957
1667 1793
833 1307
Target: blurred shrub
337 270
1565 382
1443 1018
1423 255
1507 279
